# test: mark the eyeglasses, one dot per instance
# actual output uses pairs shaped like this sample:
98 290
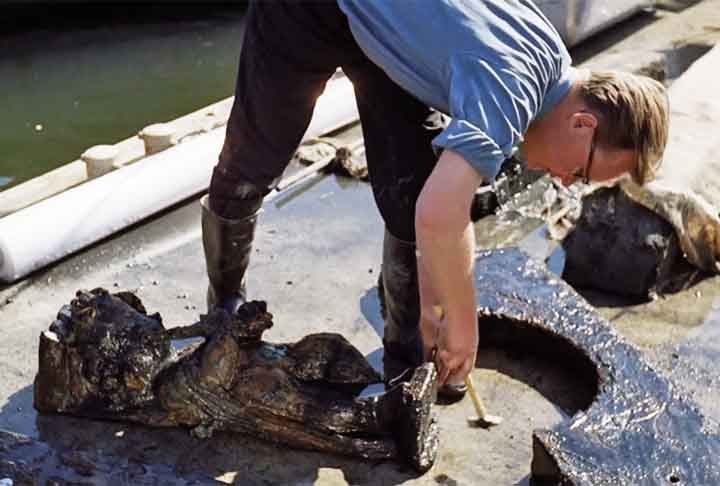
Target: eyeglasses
584 173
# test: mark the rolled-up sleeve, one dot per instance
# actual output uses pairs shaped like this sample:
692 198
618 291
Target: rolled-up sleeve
474 145
491 108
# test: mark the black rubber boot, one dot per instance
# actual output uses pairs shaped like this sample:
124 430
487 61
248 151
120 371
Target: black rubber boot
400 306
227 244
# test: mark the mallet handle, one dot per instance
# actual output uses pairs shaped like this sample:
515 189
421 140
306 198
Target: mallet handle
479 407
474 396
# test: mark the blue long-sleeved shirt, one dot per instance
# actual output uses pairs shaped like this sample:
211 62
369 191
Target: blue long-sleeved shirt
492 65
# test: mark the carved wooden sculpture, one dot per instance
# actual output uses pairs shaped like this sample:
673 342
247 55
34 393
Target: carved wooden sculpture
105 357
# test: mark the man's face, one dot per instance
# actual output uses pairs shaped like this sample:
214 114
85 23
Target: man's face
575 156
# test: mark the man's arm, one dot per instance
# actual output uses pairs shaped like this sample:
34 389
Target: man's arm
445 243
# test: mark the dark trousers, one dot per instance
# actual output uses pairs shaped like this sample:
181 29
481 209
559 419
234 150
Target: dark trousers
291 49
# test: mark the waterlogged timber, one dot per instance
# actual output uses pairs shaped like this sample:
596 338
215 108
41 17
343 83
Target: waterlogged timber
105 357
632 240
636 428
620 247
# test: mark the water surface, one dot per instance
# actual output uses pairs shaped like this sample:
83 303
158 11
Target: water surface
75 76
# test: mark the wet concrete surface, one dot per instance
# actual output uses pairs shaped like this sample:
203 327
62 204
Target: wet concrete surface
28 462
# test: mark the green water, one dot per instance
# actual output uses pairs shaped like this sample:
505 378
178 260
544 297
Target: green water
74 77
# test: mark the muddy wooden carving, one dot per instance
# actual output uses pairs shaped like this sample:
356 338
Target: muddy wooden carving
105 357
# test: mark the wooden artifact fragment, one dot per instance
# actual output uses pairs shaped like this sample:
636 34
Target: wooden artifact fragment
635 428
105 357
620 247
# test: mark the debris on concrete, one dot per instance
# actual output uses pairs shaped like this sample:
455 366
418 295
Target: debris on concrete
351 163
346 161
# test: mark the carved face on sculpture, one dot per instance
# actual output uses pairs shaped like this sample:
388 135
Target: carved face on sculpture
119 355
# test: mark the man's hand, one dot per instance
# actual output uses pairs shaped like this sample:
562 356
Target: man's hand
455 345
457 349
445 242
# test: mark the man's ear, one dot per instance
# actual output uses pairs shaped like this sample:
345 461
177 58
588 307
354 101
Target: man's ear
583 119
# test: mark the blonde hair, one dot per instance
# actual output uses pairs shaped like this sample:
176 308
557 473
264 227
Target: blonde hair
633 114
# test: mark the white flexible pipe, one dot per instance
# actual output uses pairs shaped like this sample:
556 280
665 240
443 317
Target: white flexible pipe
56 227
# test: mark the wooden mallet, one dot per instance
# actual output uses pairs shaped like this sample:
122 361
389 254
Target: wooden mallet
483 419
